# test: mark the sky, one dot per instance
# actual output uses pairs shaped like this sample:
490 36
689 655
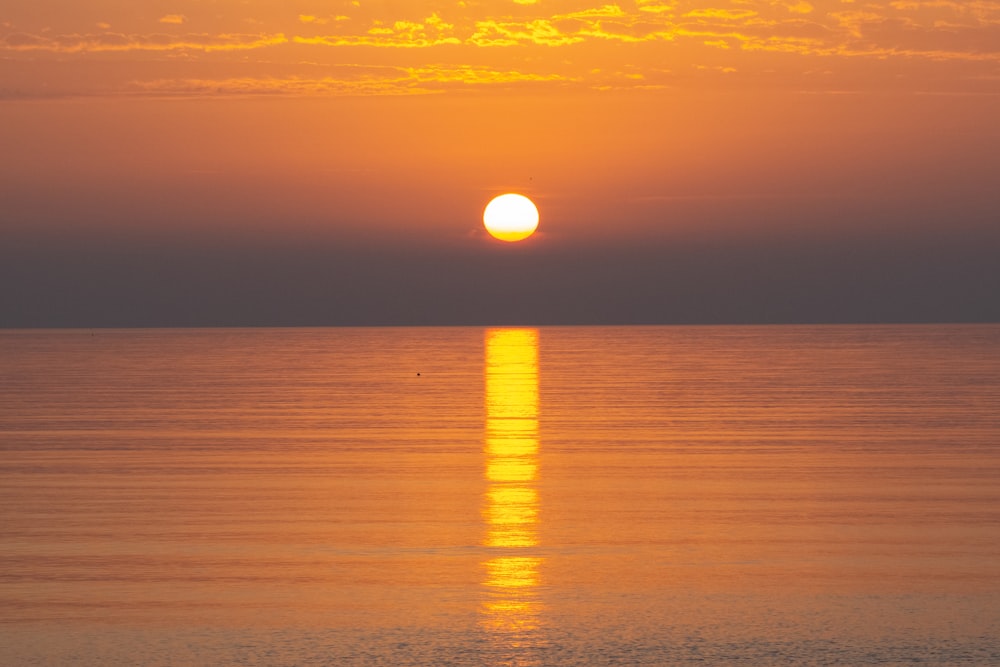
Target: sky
308 162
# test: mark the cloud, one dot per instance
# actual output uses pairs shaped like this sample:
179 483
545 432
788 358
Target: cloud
428 32
582 44
904 28
605 11
722 14
468 75
541 32
21 41
122 42
352 80
653 7
321 20
799 7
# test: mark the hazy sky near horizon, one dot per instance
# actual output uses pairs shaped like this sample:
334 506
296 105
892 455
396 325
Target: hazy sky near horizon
245 162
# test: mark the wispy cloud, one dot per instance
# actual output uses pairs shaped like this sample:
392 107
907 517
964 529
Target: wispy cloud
428 32
910 27
322 20
586 42
121 42
352 80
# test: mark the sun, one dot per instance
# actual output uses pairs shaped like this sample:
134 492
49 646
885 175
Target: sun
511 217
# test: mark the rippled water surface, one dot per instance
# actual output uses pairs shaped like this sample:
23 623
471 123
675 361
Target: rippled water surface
466 496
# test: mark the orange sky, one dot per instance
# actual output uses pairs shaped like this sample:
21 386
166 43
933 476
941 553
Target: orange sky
631 123
362 47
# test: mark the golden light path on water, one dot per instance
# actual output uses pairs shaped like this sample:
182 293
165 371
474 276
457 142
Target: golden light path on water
511 608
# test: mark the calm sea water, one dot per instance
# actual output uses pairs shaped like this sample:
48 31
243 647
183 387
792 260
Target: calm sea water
466 496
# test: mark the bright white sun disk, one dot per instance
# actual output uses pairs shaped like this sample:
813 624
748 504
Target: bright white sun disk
511 217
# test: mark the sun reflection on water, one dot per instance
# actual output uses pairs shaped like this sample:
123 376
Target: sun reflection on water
511 609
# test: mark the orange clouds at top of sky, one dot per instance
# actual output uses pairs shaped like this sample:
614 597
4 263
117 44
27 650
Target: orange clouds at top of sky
841 146
367 47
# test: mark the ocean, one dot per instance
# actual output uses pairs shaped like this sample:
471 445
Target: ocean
761 495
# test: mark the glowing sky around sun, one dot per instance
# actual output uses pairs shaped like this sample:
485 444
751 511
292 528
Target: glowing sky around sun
745 160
